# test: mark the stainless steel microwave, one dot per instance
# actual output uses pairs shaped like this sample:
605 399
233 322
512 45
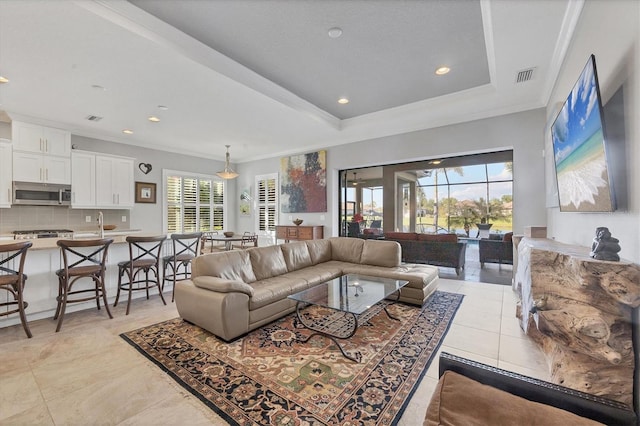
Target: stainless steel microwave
41 194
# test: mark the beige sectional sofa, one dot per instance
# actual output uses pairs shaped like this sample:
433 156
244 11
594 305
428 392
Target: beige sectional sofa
231 293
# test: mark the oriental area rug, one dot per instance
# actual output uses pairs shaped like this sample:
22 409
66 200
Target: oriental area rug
269 377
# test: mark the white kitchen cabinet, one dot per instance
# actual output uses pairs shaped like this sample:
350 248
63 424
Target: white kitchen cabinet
6 173
114 182
34 138
83 180
39 168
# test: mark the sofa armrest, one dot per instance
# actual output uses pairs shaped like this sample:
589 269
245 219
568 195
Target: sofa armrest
580 403
222 285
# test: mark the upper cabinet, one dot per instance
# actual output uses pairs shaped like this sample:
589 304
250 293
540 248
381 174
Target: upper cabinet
34 138
6 173
41 154
83 180
38 168
100 180
114 182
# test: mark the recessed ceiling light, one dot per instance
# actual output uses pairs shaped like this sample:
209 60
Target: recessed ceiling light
154 119
163 107
435 161
334 32
3 80
442 70
343 101
128 131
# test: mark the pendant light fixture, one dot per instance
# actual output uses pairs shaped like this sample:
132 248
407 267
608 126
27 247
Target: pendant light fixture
228 172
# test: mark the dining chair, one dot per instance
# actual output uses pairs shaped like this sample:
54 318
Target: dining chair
81 259
12 280
186 247
144 257
214 244
249 239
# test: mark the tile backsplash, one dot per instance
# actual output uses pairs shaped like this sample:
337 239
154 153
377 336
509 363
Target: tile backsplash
19 218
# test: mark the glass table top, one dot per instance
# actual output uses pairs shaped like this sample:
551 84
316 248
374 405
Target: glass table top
353 293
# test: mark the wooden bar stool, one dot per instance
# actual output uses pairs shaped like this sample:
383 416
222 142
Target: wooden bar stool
147 260
186 247
12 280
82 259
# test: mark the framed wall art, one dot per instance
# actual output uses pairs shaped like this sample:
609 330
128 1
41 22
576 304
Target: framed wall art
145 192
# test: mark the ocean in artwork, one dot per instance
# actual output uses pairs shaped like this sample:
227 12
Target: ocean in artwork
583 182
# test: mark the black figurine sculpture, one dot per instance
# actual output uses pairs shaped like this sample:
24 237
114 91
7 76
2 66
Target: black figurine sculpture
604 246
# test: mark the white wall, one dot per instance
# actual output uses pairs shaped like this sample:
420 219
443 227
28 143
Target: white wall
522 132
5 130
609 30
148 217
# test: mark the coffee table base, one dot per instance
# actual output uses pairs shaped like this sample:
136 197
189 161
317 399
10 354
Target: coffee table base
347 329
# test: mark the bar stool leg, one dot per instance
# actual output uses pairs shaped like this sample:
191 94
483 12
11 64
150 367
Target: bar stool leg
62 305
21 306
120 272
130 288
100 283
157 274
174 266
59 298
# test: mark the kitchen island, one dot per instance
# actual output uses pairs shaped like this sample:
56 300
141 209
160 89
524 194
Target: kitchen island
43 260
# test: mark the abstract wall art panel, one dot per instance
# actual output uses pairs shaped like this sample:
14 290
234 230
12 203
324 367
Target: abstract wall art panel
303 183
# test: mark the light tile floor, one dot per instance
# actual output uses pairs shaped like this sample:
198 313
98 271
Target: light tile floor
87 374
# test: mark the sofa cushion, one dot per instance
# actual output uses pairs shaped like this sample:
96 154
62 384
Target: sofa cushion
223 286
316 274
381 253
346 249
443 238
459 400
401 236
419 276
267 262
273 289
231 265
296 255
319 250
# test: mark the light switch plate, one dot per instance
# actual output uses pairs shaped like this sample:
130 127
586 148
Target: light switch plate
124 218
87 218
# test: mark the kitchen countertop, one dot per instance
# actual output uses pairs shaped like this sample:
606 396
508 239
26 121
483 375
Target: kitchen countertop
119 236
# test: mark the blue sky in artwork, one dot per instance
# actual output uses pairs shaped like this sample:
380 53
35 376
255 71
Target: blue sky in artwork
579 117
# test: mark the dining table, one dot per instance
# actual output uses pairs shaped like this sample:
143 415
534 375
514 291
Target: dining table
228 241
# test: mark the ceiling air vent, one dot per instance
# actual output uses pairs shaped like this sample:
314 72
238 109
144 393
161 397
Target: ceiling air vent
93 118
524 75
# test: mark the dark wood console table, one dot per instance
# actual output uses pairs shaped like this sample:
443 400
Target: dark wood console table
288 233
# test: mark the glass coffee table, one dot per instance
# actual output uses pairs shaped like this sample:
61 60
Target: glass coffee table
350 295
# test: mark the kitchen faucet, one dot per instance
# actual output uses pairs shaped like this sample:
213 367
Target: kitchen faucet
101 224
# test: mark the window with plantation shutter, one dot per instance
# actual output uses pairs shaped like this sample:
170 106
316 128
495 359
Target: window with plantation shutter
267 203
193 202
